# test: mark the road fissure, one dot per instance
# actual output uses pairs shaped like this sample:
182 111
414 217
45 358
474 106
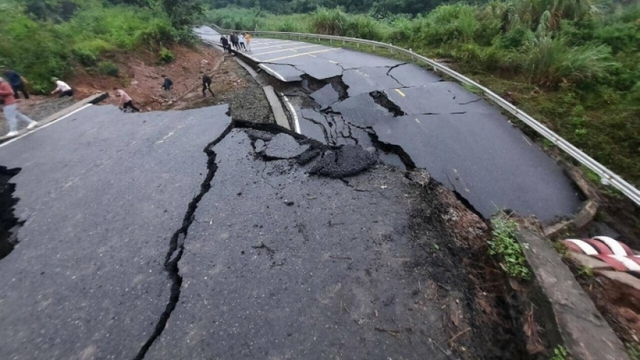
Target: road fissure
176 245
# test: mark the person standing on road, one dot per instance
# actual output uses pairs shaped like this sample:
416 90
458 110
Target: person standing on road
125 100
247 38
206 85
241 45
225 44
234 40
167 85
17 83
62 87
10 109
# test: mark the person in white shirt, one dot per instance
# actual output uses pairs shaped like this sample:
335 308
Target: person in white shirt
62 87
241 41
125 100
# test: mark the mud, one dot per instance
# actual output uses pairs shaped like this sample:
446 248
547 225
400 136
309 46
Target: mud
491 323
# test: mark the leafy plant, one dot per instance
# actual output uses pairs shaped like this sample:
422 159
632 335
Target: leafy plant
108 68
560 353
633 350
165 56
505 246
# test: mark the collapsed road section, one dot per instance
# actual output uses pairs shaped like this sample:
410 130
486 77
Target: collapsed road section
415 116
137 244
358 261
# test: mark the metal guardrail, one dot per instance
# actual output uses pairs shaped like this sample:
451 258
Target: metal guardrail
607 176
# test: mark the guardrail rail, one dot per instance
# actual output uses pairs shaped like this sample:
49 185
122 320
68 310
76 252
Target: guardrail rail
607 177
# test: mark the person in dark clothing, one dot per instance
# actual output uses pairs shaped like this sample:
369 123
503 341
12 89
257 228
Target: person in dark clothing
167 85
17 83
234 40
225 44
206 85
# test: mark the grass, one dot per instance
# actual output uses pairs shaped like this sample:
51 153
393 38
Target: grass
560 353
633 350
507 249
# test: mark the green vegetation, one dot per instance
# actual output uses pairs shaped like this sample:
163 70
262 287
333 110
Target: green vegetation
633 350
45 38
108 68
570 64
560 353
166 56
505 246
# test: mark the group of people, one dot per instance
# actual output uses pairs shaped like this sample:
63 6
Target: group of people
126 102
11 85
238 41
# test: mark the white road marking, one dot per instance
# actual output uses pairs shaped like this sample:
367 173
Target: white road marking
281 50
294 114
169 135
263 46
271 71
302 54
44 126
334 62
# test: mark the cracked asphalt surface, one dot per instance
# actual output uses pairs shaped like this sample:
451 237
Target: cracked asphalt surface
416 119
184 234
101 193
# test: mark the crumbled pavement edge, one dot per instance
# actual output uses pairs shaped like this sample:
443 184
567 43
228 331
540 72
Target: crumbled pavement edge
561 307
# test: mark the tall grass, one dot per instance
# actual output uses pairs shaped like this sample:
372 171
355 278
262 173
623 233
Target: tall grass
549 61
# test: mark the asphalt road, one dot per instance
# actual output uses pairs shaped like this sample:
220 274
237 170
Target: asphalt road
464 142
101 193
183 235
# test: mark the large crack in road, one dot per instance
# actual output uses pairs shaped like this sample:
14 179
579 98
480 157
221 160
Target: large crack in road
176 245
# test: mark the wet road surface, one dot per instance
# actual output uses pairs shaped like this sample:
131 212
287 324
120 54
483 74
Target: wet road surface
420 120
184 235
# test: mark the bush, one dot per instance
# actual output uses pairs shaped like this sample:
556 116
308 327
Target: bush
549 61
328 21
88 52
364 27
165 56
108 68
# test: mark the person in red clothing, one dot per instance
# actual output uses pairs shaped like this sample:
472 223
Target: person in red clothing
10 109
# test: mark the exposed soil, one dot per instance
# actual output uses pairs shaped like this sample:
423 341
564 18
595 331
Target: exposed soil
141 77
481 318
